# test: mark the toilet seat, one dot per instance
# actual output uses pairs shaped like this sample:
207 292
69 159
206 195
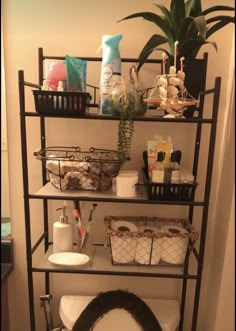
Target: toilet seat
166 311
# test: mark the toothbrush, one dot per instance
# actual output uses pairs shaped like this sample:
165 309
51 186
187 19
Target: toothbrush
78 218
86 233
77 215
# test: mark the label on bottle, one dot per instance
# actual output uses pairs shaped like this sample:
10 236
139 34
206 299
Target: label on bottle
163 146
158 176
175 176
152 155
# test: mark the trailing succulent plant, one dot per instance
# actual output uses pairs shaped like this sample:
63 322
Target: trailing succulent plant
127 101
186 22
125 132
130 105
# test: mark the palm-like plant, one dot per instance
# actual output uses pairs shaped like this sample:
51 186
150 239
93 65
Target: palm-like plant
185 22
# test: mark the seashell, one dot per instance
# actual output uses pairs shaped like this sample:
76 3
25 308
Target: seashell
172 70
172 91
181 84
181 75
163 92
174 81
163 81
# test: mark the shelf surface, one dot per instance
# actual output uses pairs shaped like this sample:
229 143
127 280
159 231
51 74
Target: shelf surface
101 264
145 118
48 191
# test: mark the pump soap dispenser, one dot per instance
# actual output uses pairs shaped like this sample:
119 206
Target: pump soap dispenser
62 234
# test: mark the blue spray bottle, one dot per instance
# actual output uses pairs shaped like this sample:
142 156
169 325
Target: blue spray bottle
110 71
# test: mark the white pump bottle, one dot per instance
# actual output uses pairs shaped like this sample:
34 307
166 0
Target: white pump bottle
62 234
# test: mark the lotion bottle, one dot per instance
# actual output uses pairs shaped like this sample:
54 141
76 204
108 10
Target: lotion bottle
164 146
62 234
60 88
158 170
172 173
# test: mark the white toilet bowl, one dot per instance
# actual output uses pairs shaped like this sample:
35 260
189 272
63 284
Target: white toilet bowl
166 311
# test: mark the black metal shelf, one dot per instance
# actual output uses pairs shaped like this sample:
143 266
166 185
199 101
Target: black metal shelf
145 118
101 264
49 192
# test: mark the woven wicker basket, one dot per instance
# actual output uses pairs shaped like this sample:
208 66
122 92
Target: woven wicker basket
149 240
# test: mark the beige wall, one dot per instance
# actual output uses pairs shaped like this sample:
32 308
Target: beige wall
218 264
5 203
75 28
225 310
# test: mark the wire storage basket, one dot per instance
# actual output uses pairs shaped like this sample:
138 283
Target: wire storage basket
57 102
70 168
149 241
168 191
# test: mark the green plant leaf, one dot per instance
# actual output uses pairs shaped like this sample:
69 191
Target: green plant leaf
155 41
192 46
188 7
167 15
160 21
196 8
184 28
216 27
149 16
163 50
197 27
224 18
177 11
195 52
201 25
217 8
191 32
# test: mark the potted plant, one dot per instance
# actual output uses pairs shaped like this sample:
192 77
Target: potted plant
188 24
129 104
127 101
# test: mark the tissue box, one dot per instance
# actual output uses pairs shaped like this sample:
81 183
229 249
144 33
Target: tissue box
147 241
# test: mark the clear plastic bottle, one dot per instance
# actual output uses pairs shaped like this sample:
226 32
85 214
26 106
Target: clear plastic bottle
87 245
172 173
164 146
45 86
158 170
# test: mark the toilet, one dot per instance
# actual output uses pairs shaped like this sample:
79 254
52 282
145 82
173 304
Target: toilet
166 311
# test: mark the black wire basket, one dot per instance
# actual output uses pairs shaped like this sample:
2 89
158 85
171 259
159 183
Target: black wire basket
70 168
167 191
56 102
